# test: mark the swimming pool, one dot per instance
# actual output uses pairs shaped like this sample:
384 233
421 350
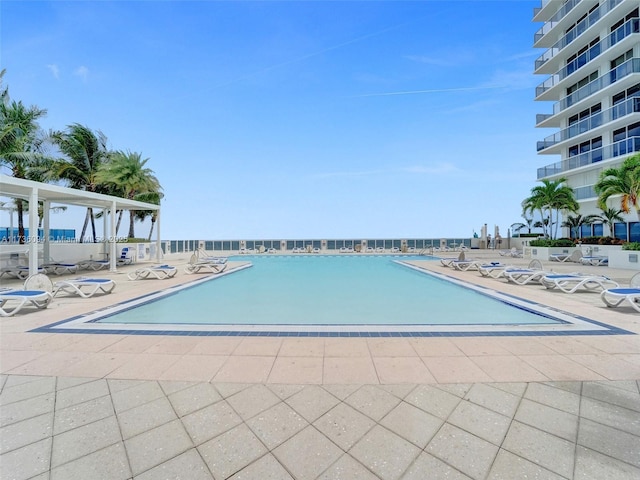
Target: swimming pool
324 295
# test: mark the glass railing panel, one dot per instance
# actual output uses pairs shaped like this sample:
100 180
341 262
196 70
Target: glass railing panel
623 147
629 106
574 33
621 71
546 28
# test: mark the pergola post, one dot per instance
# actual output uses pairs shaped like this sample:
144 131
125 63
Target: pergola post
112 237
32 238
46 225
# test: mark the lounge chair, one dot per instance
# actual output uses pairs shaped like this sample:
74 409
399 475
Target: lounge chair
524 276
59 268
212 265
514 252
125 257
615 297
574 256
36 293
447 262
465 265
160 272
595 260
84 287
570 283
94 265
493 269
18 271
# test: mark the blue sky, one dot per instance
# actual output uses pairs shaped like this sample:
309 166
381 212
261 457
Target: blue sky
296 119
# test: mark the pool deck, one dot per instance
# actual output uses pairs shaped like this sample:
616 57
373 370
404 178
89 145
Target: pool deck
80 406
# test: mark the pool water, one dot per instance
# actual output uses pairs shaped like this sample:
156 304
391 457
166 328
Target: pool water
328 290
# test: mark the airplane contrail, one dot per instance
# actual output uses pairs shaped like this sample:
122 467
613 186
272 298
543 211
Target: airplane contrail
433 90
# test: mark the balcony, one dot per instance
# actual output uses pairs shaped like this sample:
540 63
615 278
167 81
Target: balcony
629 106
626 30
623 147
574 33
627 68
559 15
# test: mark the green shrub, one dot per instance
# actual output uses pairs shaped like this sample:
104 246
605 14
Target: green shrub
601 241
631 246
546 242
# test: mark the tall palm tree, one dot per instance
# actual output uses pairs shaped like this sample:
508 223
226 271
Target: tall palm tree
609 217
150 197
623 181
86 151
126 172
573 223
550 198
21 143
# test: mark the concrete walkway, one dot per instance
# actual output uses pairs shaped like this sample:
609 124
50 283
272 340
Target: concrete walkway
82 406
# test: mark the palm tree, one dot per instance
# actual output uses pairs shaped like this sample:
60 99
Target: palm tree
516 227
624 181
551 197
150 197
86 151
573 223
126 172
609 217
21 143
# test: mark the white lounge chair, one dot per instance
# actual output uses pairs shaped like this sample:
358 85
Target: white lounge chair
574 256
36 293
595 260
125 257
59 268
448 261
514 252
84 287
18 271
94 265
570 283
615 297
160 272
212 265
493 269
524 276
465 265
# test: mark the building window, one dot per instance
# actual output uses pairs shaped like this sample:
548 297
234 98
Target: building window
598 229
634 231
620 231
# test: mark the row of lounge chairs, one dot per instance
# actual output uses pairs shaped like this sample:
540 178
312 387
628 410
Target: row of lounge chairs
38 290
610 291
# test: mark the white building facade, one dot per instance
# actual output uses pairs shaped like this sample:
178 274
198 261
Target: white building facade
591 65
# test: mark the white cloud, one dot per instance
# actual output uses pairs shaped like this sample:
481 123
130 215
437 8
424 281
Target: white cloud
55 71
82 72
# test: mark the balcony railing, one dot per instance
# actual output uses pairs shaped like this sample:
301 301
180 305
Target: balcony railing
582 193
629 106
627 68
628 145
574 33
546 28
629 28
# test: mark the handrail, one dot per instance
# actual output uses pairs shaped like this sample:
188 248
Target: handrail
623 147
629 106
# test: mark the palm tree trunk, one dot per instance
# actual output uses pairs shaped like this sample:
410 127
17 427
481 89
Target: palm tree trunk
153 223
84 226
120 212
131 221
93 226
20 211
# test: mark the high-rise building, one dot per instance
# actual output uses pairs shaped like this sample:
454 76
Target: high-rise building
591 62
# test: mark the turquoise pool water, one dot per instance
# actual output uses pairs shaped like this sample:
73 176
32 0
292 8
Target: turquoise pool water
327 290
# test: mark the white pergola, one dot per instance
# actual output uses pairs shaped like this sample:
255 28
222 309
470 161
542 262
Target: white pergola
35 192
